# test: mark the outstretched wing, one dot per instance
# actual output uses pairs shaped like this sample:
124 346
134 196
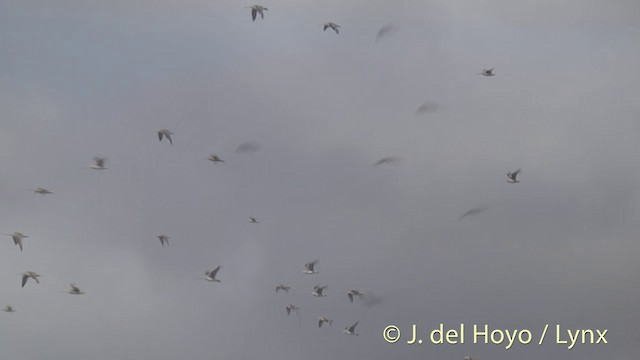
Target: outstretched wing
24 280
254 12
214 272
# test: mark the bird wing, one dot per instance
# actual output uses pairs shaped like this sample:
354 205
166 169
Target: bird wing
169 138
254 12
350 295
320 322
24 280
214 272
325 27
160 135
353 327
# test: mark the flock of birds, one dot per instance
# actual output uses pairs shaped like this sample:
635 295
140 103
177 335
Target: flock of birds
309 268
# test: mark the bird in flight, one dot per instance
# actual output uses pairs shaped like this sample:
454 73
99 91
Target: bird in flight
284 288
164 239
353 293
8 309
387 160
74 290
512 177
426 107
309 267
322 320
253 220
17 238
487 72
257 9
333 26
166 133
215 159
351 330
29 274
318 291
474 211
291 309
211 275
42 191
99 163
384 31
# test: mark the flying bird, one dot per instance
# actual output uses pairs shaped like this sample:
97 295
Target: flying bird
322 320
211 275
384 31
164 239
487 72
42 191
333 26
8 309
309 267
29 274
166 133
99 163
284 288
469 358
512 177
353 293
318 291
74 290
253 220
215 159
257 9
426 107
291 309
17 238
387 160
474 211
351 330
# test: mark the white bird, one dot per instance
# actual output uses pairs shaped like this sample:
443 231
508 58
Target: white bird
99 163
322 320
284 288
166 133
8 309
17 238
351 330
512 177
211 275
384 31
253 220
27 275
318 291
164 239
292 309
74 290
333 26
309 267
215 158
257 9
42 191
353 293
487 72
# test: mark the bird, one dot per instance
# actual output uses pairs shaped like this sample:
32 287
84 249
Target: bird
17 238
474 211
163 239
291 309
353 293
384 31
8 309
512 177
322 320
29 274
426 107
99 163
215 158
386 160
318 291
309 267
351 330
333 26
42 191
469 358
487 72
166 133
211 275
284 288
253 220
74 290
257 9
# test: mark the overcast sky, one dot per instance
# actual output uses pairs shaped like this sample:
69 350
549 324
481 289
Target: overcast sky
81 79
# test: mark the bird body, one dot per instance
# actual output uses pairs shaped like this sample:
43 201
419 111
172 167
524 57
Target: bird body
487 72
253 220
291 309
215 159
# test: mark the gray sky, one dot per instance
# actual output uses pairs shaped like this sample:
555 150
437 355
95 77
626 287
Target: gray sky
79 80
